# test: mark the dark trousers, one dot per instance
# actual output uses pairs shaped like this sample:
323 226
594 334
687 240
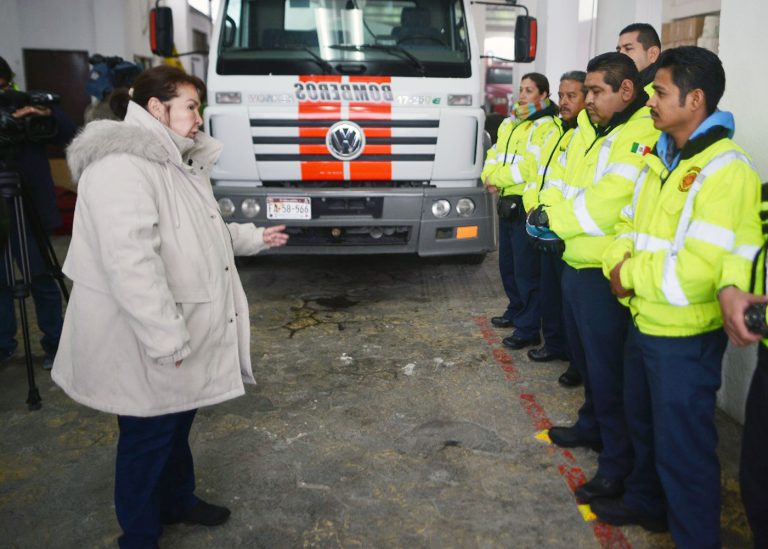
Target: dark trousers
45 293
551 299
519 268
753 473
670 397
154 478
596 325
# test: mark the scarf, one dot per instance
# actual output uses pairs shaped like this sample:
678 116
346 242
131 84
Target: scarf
523 111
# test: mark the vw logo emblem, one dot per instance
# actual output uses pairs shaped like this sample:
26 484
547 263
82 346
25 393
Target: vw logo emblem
345 140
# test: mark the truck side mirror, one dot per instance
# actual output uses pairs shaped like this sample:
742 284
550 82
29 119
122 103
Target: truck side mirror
161 31
228 32
526 34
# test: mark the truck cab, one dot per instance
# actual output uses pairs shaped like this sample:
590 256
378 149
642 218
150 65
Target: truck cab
357 123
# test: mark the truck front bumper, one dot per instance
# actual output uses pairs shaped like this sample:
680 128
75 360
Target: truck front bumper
376 220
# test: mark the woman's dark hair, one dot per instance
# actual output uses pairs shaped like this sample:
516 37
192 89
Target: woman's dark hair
695 68
540 80
162 82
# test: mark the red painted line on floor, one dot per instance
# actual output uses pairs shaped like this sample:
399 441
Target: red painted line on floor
608 536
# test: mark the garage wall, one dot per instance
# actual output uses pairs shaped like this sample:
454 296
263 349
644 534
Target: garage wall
743 52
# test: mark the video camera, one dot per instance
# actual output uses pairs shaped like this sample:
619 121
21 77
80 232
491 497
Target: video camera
110 73
33 127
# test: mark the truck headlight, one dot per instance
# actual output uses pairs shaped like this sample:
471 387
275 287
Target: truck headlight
456 100
441 208
465 207
250 208
500 101
226 207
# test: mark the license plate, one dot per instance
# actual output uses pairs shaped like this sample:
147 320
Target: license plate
289 207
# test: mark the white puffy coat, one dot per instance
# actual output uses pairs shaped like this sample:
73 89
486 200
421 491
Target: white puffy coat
154 276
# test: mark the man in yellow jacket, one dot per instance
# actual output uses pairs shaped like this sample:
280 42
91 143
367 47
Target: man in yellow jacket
571 96
641 43
604 159
692 227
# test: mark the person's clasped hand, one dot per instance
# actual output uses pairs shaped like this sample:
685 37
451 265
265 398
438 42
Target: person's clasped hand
275 237
32 110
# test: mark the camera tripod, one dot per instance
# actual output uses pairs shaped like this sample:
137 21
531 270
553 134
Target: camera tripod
12 191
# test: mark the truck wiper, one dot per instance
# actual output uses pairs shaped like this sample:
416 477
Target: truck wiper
325 65
392 50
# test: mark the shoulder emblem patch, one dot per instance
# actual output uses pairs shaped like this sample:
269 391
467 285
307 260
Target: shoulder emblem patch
688 179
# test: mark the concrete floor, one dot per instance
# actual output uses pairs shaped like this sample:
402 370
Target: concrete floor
387 415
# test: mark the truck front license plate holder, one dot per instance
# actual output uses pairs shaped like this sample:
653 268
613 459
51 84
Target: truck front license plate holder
289 207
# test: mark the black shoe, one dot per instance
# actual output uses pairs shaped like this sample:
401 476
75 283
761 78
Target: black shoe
570 437
542 354
614 511
599 487
205 514
517 342
501 322
570 378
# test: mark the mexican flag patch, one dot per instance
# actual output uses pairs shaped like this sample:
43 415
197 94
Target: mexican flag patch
639 148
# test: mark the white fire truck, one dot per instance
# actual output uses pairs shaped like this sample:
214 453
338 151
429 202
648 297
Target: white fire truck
357 123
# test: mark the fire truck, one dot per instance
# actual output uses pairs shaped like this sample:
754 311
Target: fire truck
359 124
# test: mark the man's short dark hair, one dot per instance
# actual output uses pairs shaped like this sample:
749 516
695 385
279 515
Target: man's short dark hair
576 76
695 68
617 68
646 34
5 70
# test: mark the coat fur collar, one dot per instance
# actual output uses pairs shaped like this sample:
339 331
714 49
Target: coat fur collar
138 135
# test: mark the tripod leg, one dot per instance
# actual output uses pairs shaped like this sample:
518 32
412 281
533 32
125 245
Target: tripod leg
20 288
43 242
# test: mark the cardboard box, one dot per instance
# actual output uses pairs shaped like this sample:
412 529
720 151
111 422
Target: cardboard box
711 26
712 44
689 28
666 33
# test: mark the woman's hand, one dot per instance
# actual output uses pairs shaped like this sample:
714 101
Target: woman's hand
274 237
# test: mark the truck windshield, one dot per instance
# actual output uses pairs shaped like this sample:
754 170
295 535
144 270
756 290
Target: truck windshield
356 37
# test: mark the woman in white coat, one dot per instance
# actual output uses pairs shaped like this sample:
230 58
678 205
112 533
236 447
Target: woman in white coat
157 323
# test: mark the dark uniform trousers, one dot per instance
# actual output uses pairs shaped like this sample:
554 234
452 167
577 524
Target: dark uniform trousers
596 324
670 398
154 478
754 452
519 268
551 299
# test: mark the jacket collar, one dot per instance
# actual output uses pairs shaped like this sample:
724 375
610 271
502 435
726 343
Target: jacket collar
138 135
717 126
623 116
202 151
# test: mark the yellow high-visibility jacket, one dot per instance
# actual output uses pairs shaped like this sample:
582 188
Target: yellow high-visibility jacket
689 232
506 166
550 169
602 165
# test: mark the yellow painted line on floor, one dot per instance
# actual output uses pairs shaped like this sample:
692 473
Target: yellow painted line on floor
543 436
586 512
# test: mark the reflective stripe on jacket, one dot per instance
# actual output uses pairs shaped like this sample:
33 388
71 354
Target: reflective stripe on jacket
598 182
689 232
550 171
506 166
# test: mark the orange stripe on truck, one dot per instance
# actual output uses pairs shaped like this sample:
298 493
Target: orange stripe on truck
374 171
320 78
322 171
315 132
370 111
376 79
310 111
